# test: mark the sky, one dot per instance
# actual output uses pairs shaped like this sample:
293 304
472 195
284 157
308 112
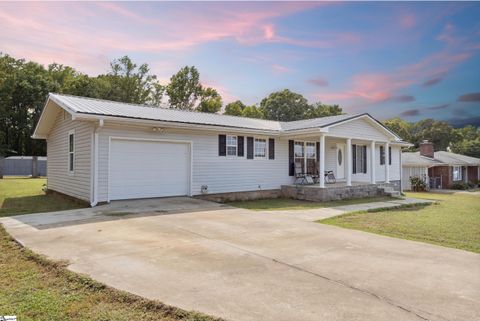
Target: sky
412 60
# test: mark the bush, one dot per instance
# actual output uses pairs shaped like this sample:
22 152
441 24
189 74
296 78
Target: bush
460 186
418 184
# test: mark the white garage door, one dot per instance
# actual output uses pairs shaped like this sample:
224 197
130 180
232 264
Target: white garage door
141 169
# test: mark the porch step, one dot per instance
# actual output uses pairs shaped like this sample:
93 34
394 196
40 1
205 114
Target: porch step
389 191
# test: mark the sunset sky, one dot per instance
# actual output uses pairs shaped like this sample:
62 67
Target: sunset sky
414 60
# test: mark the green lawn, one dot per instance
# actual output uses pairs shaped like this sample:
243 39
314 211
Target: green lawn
34 288
21 195
280 204
454 221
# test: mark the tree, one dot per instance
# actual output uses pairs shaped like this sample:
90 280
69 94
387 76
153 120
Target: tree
400 127
252 112
320 110
184 88
468 142
440 133
129 83
284 106
210 101
235 108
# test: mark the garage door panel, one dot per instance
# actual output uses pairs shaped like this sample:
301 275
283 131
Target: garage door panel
141 169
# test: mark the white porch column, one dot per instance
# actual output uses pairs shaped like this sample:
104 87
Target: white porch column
372 162
387 162
348 159
321 158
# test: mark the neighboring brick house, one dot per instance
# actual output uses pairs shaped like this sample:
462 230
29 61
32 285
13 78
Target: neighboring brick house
440 169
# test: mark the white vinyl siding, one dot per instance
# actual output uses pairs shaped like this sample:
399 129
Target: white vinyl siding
359 128
220 174
59 178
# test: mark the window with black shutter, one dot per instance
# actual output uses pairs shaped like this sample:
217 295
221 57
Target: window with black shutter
354 159
382 155
389 155
291 158
271 148
241 147
249 147
222 145
364 159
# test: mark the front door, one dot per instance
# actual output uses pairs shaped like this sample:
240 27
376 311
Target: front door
340 161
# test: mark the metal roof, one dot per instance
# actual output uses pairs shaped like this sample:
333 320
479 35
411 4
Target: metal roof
91 107
440 158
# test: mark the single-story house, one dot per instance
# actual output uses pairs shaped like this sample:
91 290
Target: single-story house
100 151
440 170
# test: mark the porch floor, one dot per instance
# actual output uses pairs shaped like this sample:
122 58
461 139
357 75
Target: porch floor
338 191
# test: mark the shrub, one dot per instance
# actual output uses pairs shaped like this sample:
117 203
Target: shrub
460 186
418 184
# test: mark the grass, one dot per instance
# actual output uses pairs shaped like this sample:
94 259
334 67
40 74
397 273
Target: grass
453 221
281 204
22 195
34 288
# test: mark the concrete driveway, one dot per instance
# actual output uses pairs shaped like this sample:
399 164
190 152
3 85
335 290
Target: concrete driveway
243 265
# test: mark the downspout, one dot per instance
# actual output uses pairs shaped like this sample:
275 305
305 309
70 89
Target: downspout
95 164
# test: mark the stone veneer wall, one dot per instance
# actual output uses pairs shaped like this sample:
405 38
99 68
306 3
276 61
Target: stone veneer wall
240 196
315 194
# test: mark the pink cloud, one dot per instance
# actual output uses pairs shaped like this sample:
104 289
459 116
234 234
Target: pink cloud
407 21
279 69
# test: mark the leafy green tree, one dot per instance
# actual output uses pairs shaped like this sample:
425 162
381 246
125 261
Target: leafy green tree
440 133
400 127
468 142
234 108
129 82
284 106
252 112
184 88
320 110
210 101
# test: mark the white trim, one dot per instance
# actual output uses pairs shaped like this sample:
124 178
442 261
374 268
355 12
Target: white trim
110 138
226 145
372 120
95 180
266 147
72 171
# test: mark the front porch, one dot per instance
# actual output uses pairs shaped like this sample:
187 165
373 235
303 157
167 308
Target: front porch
340 191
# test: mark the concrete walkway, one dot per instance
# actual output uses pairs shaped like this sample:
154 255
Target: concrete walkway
327 212
244 265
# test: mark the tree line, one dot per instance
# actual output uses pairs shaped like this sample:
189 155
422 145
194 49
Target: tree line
24 86
465 140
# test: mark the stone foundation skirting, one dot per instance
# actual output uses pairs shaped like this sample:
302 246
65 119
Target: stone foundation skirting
240 196
332 193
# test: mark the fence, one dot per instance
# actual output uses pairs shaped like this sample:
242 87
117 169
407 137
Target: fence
22 166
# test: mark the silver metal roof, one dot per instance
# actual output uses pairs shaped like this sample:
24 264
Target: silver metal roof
83 105
440 158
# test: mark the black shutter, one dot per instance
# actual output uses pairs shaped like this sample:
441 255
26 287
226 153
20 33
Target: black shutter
354 159
240 146
222 145
389 155
291 159
249 147
271 148
318 151
364 159
382 155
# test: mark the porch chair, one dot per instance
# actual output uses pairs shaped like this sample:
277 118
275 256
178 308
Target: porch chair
313 170
330 177
299 174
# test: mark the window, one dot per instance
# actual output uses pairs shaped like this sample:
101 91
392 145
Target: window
71 151
260 147
231 145
360 159
457 173
382 155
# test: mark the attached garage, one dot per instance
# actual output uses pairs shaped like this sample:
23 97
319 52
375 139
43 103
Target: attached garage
148 168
